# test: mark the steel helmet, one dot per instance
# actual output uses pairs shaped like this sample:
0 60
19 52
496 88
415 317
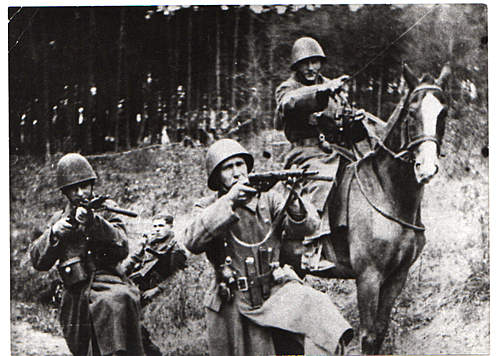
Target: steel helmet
221 151
73 168
306 47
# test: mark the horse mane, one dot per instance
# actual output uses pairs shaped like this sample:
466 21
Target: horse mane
427 79
395 116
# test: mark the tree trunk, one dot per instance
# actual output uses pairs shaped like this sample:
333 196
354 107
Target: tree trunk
116 110
218 61
272 47
44 119
234 62
189 39
379 93
89 98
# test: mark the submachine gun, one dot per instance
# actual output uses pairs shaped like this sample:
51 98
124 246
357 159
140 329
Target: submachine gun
99 202
264 181
96 203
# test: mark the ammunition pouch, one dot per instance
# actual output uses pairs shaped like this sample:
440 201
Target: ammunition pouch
73 272
255 289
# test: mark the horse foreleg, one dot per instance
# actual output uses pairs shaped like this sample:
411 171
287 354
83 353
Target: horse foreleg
368 286
390 290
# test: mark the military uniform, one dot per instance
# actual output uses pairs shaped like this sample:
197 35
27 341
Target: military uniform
97 299
155 261
244 323
305 115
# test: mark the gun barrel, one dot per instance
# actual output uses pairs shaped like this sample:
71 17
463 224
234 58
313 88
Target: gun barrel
130 213
325 178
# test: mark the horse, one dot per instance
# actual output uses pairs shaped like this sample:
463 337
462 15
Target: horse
374 211
382 231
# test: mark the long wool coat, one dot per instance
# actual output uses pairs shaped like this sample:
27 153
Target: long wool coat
236 327
303 114
105 305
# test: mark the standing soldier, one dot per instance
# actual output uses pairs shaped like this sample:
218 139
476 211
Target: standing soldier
254 305
99 311
309 110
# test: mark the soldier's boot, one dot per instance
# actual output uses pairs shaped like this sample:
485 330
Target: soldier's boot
150 349
312 258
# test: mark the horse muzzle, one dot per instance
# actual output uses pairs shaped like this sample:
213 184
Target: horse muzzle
424 173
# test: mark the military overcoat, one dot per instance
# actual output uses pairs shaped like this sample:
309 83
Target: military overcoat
237 327
102 302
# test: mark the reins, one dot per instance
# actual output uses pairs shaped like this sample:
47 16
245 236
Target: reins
413 142
380 211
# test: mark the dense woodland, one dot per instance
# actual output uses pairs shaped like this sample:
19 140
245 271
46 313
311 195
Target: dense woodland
97 79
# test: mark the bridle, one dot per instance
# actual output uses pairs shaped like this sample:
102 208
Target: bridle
405 151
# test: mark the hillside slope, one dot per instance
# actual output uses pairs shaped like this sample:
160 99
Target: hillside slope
443 309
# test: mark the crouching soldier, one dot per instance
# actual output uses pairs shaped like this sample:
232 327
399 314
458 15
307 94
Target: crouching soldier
255 306
99 310
159 257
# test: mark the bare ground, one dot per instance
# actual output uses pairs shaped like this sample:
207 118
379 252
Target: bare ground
27 341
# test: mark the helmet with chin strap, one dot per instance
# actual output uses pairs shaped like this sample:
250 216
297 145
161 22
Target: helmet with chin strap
221 151
304 48
73 168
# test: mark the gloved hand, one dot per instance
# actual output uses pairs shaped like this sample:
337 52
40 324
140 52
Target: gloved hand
150 294
62 228
332 87
240 193
84 216
296 209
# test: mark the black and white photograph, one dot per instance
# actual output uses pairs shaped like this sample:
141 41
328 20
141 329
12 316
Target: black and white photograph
249 179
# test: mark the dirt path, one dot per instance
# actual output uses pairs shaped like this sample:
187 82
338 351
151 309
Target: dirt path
27 341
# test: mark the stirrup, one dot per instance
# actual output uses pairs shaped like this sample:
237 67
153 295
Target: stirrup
311 258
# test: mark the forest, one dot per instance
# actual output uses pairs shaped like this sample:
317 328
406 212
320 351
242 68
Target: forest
99 79
125 86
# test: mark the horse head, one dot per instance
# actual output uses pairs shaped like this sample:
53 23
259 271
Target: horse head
423 128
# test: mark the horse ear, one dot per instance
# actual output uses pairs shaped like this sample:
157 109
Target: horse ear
410 77
445 73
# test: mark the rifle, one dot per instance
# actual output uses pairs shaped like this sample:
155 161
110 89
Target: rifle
264 181
99 203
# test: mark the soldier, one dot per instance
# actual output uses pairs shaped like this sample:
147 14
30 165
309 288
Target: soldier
99 311
254 306
310 110
159 257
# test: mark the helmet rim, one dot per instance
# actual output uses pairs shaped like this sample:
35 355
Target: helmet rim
219 153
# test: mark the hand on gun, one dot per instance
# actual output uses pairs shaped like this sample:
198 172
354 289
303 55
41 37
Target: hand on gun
63 227
295 208
240 193
84 216
81 218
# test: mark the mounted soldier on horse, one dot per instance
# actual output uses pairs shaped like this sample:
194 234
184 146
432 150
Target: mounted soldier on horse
371 228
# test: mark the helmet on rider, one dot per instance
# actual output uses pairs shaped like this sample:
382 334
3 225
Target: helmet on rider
73 168
219 152
304 48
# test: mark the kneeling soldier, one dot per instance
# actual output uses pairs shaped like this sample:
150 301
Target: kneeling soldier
99 310
254 303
